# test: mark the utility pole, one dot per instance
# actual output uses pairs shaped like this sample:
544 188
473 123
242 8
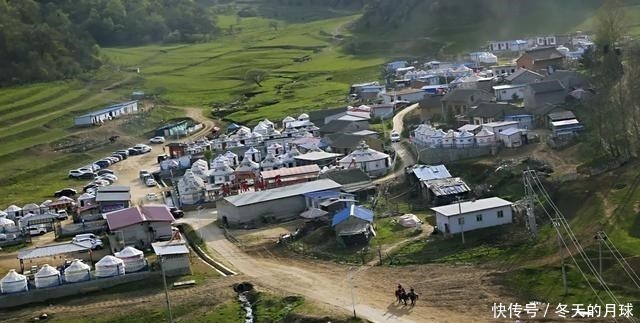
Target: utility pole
529 204
564 272
461 219
353 299
166 292
601 237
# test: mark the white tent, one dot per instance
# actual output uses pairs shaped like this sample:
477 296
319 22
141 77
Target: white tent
77 272
109 266
5 223
31 208
13 211
133 259
47 276
3 214
44 206
409 221
13 283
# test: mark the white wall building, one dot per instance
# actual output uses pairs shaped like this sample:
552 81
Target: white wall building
467 216
499 126
509 92
508 45
372 162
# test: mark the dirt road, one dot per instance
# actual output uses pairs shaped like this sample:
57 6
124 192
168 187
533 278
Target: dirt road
328 283
402 150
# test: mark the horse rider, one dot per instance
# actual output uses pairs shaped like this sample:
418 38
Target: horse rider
413 296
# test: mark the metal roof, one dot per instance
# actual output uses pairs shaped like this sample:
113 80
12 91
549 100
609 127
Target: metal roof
317 155
107 109
282 192
114 188
471 206
447 186
54 249
563 115
565 123
165 248
428 172
510 131
291 171
353 211
112 196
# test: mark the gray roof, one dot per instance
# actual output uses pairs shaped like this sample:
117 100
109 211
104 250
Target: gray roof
318 116
447 186
115 196
546 87
339 125
346 176
492 110
466 95
562 115
543 53
282 192
54 249
317 155
471 206
169 248
523 76
351 141
114 188
570 79
430 172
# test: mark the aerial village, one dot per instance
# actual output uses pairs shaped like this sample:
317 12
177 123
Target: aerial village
326 170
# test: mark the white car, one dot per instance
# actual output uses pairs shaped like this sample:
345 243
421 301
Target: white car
152 197
110 177
96 242
142 148
150 182
157 140
395 136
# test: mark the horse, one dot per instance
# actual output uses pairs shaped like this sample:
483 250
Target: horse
401 296
413 296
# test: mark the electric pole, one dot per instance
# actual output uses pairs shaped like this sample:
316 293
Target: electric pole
166 292
564 272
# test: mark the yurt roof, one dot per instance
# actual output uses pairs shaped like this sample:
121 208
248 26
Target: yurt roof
267 121
128 252
439 133
466 134
364 154
47 271
484 133
65 198
46 202
303 116
230 153
109 260
76 266
13 208
5 221
12 276
275 145
31 206
288 119
86 196
251 150
3 214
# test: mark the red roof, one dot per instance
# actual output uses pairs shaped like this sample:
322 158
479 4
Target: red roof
138 214
293 171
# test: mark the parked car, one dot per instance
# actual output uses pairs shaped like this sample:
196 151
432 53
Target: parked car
110 177
78 174
93 167
3 237
162 157
113 160
117 157
157 140
86 169
142 148
62 215
122 156
36 230
96 242
152 197
102 182
89 187
104 171
123 151
395 136
150 182
102 178
176 212
132 151
144 173
103 163
69 192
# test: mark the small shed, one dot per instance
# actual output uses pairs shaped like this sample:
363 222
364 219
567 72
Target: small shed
512 137
133 259
47 276
77 272
13 283
174 257
353 225
109 266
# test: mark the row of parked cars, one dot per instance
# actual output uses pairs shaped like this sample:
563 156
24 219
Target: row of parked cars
89 171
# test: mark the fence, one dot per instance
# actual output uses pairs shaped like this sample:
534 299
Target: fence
96 227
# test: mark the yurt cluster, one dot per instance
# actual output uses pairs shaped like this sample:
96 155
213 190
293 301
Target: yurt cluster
14 212
485 135
129 260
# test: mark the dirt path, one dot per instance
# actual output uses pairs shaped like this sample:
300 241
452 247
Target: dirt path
406 157
388 249
328 283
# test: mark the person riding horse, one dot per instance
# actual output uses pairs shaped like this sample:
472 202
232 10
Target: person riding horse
401 295
413 296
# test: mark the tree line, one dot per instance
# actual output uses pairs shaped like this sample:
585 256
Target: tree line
51 40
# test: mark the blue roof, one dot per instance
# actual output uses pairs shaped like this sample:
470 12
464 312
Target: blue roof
355 211
322 194
233 126
107 109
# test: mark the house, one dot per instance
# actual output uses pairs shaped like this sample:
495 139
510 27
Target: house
499 126
353 225
177 149
523 76
139 226
371 161
472 128
487 112
108 113
524 120
544 93
560 116
509 92
504 69
375 110
319 117
472 215
512 137
566 127
366 133
289 176
353 181
517 45
277 204
349 115
444 190
393 66
343 126
409 95
320 158
344 143
324 204
174 256
543 59
460 100
191 188
175 129
571 80
112 198
483 58
549 40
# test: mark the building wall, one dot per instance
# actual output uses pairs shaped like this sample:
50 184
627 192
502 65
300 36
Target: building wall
279 210
177 265
507 94
83 121
511 141
162 230
489 219
525 61
137 235
543 65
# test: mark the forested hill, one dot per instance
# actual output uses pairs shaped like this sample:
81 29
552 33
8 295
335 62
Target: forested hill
50 40
421 26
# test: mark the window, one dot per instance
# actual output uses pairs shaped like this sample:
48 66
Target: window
460 221
479 218
500 214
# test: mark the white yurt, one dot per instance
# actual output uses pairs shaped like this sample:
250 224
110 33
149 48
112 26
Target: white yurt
3 214
485 138
437 137
77 272
191 188
31 208
232 158
287 120
270 162
253 154
449 139
133 259
303 117
289 131
289 159
464 140
13 283
371 161
47 276
275 149
6 225
13 211
109 266
221 172
248 166
200 168
44 206
253 140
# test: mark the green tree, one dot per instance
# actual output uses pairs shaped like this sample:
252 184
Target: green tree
255 76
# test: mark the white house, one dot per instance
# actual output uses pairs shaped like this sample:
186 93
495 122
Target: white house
509 92
549 40
508 45
191 188
372 162
511 137
108 113
499 126
472 215
408 95
483 58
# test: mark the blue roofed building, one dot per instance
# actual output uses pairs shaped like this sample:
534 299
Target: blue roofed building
106 114
353 225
